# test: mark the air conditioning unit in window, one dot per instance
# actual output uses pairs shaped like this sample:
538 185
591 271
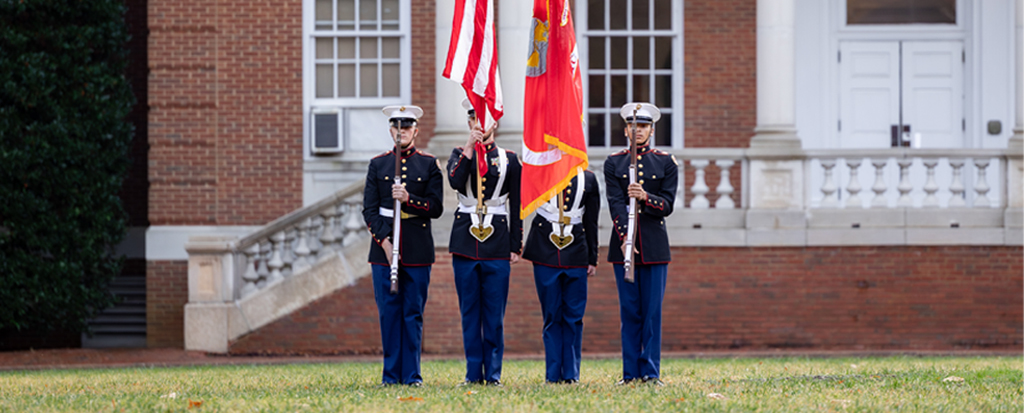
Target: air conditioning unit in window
326 131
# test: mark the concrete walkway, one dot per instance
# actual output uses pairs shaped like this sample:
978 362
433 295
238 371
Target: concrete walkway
111 358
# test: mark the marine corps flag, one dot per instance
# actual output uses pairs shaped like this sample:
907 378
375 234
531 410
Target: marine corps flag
553 141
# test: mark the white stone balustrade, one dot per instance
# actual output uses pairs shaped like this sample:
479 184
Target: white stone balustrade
918 182
239 284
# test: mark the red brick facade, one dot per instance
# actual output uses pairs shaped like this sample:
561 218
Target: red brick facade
922 298
225 120
720 52
166 296
225 148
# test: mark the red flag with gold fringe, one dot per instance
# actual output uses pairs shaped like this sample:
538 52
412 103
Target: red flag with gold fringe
553 142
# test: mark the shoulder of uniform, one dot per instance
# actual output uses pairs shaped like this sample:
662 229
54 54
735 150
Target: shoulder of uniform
661 152
425 154
509 151
385 153
619 153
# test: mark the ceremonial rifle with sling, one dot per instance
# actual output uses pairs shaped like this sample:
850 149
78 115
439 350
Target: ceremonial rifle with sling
397 223
627 262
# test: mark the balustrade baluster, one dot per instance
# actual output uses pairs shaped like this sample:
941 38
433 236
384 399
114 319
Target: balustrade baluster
829 188
930 186
354 224
315 248
275 263
905 186
981 187
854 188
302 252
699 188
725 188
879 187
249 276
288 251
338 224
262 270
956 187
327 239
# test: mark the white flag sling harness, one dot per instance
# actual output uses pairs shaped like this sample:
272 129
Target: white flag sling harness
482 217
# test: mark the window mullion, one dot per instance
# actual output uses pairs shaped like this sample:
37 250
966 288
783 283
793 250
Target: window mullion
380 65
607 86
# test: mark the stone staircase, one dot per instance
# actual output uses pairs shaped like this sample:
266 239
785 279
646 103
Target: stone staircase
124 324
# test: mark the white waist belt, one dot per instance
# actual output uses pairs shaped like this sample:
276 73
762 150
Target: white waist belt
491 209
552 217
390 213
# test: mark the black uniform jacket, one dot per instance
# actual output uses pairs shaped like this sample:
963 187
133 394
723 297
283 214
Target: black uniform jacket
583 249
658 173
422 179
508 229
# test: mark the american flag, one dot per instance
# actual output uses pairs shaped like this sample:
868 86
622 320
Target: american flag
473 58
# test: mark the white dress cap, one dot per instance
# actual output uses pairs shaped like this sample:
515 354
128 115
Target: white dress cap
645 112
466 105
403 112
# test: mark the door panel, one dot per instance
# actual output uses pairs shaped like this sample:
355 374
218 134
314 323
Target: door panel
933 93
869 93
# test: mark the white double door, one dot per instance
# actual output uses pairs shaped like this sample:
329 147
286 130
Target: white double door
900 93
914 86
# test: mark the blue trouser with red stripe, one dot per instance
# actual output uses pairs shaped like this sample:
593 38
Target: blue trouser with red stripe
640 312
401 320
482 286
563 299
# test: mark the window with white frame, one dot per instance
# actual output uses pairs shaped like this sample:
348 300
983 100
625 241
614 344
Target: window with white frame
359 61
634 54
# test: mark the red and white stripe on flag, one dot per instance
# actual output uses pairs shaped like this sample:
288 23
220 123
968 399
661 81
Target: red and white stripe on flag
473 58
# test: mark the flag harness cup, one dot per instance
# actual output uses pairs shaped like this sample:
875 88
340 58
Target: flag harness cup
481 211
554 211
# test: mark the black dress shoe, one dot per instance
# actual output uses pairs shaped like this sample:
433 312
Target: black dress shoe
416 384
624 382
386 384
570 381
469 383
653 380
495 383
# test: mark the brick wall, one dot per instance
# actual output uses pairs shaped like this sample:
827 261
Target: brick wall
721 65
166 296
225 122
937 298
424 71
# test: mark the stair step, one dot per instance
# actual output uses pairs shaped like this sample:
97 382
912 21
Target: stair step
129 282
125 309
119 319
119 329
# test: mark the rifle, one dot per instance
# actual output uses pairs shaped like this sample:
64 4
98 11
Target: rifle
627 263
397 223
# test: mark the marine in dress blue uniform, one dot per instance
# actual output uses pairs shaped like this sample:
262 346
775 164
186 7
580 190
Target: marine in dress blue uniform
563 250
421 193
483 246
640 302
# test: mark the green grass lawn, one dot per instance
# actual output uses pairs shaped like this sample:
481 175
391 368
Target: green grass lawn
746 384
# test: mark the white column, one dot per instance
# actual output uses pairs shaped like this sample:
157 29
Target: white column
512 26
1015 167
451 119
1018 129
776 74
776 216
